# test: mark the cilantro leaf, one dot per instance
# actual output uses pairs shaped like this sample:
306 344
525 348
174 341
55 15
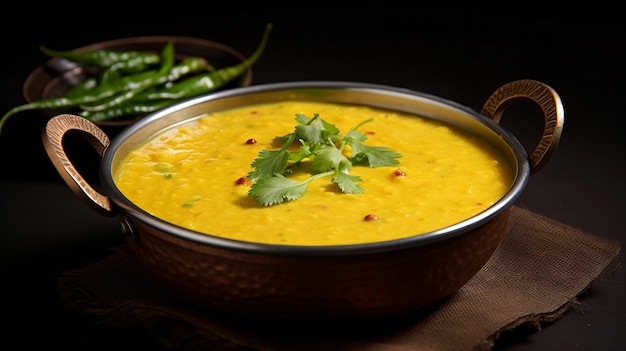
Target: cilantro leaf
323 144
304 120
354 135
328 158
274 190
305 151
311 133
347 183
377 156
278 188
331 131
269 163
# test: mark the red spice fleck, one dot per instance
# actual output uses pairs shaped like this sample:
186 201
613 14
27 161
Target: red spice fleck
479 204
370 217
251 141
399 173
254 112
243 181
371 132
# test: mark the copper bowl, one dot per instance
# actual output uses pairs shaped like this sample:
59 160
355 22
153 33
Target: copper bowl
314 283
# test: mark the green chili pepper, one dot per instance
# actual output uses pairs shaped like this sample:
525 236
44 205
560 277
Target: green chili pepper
103 58
188 65
129 108
151 100
93 91
167 63
92 87
141 92
98 94
82 88
133 107
114 62
133 65
206 83
82 94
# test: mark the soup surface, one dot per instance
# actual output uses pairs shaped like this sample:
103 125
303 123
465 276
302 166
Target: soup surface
188 175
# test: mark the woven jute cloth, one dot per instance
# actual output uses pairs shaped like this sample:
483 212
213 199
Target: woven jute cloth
535 276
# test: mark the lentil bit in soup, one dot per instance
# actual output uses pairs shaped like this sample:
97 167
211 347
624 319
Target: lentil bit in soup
190 176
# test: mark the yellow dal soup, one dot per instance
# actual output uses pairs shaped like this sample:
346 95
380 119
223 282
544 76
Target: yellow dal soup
188 175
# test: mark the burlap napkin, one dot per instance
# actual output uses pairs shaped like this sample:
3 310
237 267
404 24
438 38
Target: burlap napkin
533 278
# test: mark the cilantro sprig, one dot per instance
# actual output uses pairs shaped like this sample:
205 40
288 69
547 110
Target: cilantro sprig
323 145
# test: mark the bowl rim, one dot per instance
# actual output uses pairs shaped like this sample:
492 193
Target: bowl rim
523 171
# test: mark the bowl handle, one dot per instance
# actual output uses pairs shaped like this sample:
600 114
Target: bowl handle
56 129
549 102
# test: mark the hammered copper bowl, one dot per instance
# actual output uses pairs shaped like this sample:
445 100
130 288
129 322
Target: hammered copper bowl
314 283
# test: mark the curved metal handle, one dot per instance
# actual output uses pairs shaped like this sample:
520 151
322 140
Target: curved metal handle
56 129
549 102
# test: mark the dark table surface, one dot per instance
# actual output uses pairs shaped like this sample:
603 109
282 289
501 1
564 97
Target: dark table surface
461 55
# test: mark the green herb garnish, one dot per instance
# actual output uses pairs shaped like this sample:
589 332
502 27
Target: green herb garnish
323 144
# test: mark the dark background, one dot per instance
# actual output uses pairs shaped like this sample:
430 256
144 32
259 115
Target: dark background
460 54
